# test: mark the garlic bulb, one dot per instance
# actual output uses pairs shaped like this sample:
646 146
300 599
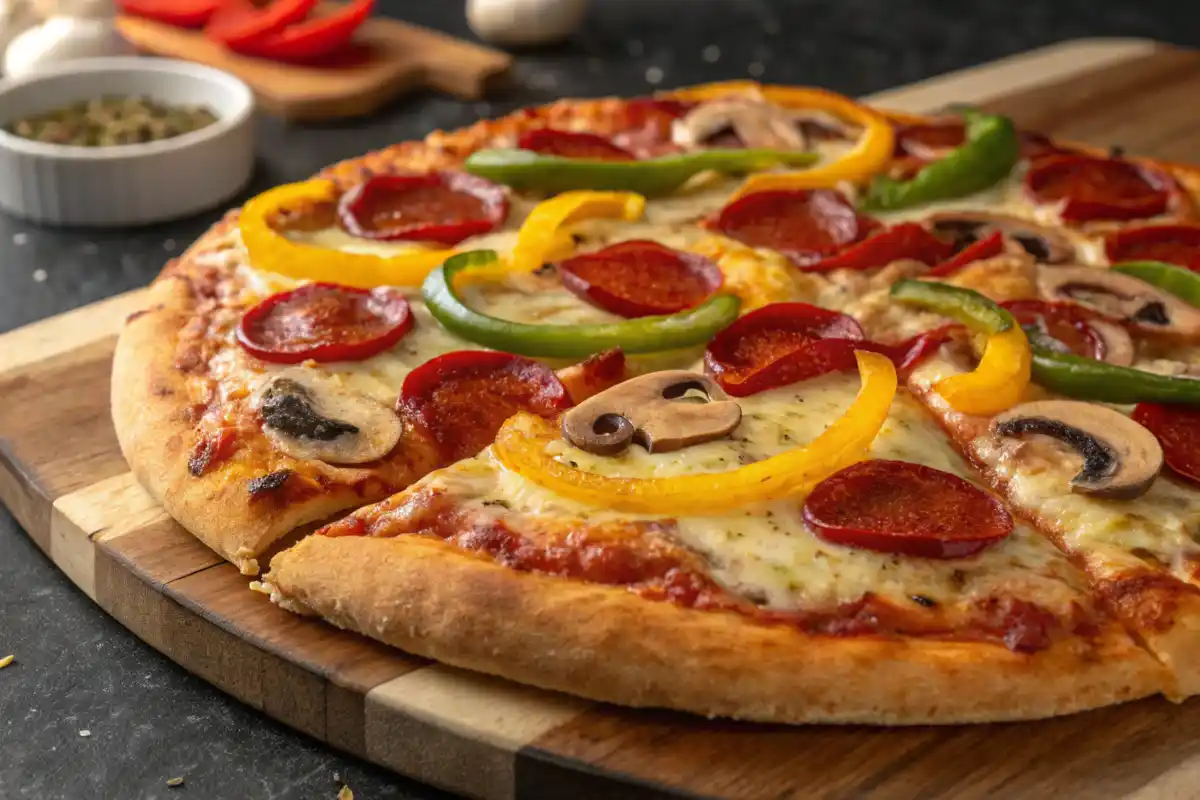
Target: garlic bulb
16 17
525 22
60 39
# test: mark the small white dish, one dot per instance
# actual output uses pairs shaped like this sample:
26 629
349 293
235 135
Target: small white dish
132 184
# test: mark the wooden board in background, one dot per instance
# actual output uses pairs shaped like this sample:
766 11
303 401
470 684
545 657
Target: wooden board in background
389 58
63 477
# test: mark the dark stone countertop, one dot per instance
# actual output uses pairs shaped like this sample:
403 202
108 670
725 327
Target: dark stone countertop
77 670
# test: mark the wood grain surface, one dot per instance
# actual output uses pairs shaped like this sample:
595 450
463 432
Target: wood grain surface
62 476
387 59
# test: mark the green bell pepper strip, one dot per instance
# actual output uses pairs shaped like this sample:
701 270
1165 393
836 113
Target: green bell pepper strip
965 305
525 169
1179 281
1086 379
642 335
990 152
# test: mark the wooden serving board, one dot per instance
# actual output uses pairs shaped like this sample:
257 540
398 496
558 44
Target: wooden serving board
388 59
63 477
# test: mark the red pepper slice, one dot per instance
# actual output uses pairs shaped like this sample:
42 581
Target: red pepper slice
572 144
461 399
1099 188
444 207
806 225
310 40
907 509
236 22
325 322
1174 244
180 13
779 344
907 240
911 352
988 247
1066 323
640 278
1178 431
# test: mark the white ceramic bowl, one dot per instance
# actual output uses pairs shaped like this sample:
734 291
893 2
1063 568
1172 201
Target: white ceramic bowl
128 184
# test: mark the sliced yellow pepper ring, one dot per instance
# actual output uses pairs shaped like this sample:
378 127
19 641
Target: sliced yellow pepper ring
999 380
521 446
542 233
869 156
272 251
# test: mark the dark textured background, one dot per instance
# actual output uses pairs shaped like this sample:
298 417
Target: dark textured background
149 721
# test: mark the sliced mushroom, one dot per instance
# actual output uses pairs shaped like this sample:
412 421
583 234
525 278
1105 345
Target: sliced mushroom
1046 245
1123 296
1120 457
756 123
662 411
1118 344
311 417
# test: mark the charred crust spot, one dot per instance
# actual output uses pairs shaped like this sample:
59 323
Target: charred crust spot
268 484
1146 600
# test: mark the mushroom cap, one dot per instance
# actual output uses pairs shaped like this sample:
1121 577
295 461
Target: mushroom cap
1046 245
756 122
1135 301
1121 458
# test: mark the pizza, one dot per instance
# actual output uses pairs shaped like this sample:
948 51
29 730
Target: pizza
748 401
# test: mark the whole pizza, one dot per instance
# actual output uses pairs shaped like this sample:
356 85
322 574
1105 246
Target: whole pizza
749 401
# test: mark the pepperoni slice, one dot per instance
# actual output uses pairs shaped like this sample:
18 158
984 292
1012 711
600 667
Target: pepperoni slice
444 207
908 240
1174 244
806 225
781 343
931 141
461 399
1098 188
1066 323
1178 431
906 509
325 322
640 278
649 121
572 144
989 246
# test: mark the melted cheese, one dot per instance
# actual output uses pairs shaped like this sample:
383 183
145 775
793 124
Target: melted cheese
765 552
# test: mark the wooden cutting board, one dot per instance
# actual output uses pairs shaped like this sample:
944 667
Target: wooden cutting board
63 477
388 58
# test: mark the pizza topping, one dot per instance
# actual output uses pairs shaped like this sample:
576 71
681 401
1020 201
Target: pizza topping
779 344
1177 429
753 122
934 140
526 170
988 247
325 322
640 278
907 509
266 485
1123 296
443 207
1120 457
645 335
572 144
544 232
804 225
904 241
1174 244
986 158
1087 379
1089 187
595 374
461 398
272 251
525 444
1000 378
965 228
1181 282
1071 328
662 411
309 416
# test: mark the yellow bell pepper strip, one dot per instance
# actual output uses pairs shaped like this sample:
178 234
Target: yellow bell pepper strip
542 233
641 335
999 381
272 251
523 441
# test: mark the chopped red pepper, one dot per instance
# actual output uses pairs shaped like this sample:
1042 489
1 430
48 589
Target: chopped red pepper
325 322
310 40
444 207
989 246
180 13
907 240
237 22
572 144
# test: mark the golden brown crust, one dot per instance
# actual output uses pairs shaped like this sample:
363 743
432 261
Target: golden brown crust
608 644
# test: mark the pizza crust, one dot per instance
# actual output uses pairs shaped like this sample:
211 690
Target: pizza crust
608 644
